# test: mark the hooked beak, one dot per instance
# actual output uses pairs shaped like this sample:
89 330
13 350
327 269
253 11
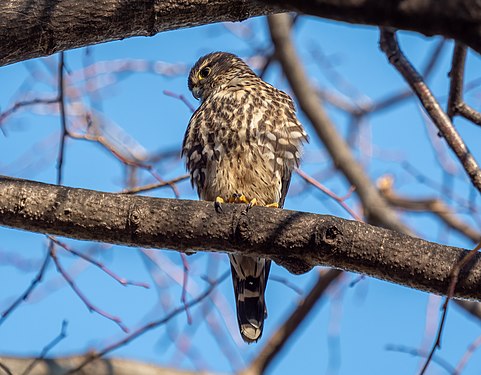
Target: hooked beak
196 92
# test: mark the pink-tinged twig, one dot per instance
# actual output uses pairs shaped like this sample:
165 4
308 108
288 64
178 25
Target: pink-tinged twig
287 283
415 352
77 291
26 103
213 323
183 299
325 190
148 327
46 349
185 347
180 97
104 142
155 185
99 265
277 341
467 356
37 279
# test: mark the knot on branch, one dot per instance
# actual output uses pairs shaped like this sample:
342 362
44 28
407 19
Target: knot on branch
134 219
241 227
331 235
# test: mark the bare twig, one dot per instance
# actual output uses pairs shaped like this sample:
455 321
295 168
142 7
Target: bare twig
390 47
156 185
185 280
325 190
467 356
63 120
449 295
415 352
77 291
456 104
23 297
46 349
142 330
284 333
97 264
106 144
26 103
180 97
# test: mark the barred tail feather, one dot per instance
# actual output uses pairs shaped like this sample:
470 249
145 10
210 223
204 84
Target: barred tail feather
249 276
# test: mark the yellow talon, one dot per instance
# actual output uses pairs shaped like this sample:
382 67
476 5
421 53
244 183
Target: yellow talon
219 200
273 205
242 199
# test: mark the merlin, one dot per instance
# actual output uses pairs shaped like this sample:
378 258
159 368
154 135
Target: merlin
241 145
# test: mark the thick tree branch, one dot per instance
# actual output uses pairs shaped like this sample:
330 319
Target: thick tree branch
295 240
34 28
457 19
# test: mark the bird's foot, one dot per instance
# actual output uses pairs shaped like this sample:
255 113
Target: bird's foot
218 204
273 205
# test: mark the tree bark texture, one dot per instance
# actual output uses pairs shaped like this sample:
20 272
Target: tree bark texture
297 241
35 28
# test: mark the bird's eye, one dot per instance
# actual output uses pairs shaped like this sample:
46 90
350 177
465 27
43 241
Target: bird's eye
204 72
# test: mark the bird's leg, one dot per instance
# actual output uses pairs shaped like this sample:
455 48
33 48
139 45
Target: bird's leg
218 203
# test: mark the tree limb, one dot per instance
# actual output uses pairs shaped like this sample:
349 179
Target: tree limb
35 28
297 241
457 19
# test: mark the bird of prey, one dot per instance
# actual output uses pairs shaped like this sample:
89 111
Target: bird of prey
241 145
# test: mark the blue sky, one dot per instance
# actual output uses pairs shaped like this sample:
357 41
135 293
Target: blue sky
349 330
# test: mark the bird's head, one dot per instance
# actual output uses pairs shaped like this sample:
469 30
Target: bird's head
214 71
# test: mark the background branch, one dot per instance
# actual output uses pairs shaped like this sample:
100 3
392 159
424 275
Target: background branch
109 366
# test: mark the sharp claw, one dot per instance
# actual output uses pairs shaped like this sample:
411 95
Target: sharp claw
217 207
218 204
251 204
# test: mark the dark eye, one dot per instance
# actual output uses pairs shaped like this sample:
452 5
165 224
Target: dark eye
204 72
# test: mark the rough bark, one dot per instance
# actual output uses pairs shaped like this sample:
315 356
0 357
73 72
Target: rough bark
296 240
34 28
457 19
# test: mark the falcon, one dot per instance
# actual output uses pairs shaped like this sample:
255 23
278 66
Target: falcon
241 146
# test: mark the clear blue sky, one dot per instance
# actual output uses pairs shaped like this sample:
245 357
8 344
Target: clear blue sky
349 330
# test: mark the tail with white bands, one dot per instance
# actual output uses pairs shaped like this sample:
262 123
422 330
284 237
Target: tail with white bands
249 276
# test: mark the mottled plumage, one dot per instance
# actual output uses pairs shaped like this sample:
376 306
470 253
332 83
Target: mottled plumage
244 139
